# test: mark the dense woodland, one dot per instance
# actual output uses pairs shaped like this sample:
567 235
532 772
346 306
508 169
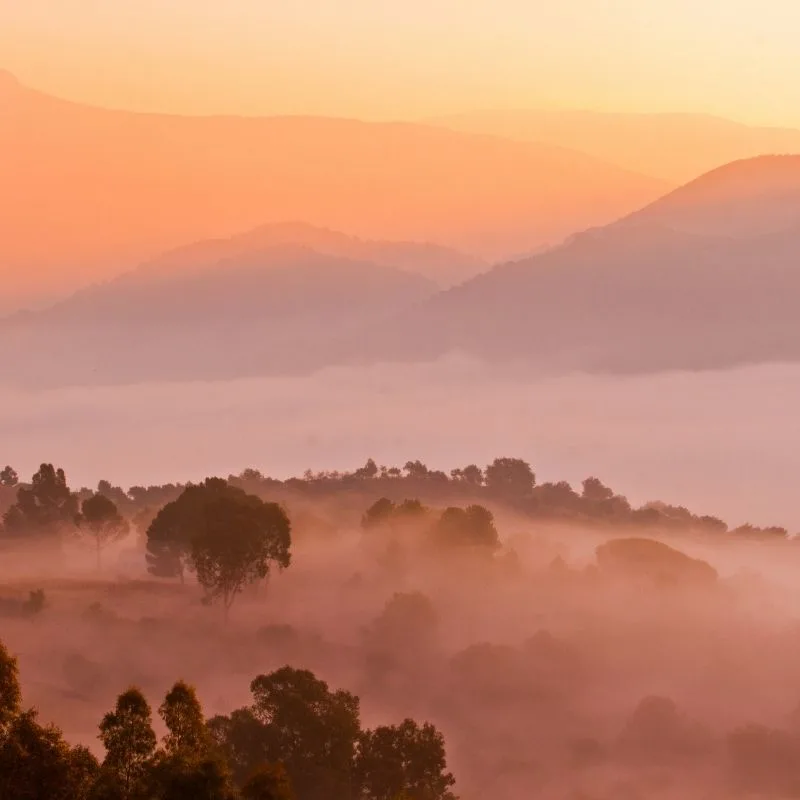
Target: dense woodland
481 659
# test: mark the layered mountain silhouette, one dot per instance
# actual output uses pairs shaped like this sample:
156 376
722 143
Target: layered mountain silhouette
706 277
260 312
442 265
96 191
674 147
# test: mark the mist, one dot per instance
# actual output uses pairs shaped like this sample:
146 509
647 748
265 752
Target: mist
723 443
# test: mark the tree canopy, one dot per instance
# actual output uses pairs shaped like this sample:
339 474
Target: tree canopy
230 538
46 507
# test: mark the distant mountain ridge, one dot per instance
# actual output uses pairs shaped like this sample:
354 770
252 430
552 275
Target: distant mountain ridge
707 277
675 147
230 319
97 191
443 265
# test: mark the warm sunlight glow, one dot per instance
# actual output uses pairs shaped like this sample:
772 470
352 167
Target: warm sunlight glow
385 59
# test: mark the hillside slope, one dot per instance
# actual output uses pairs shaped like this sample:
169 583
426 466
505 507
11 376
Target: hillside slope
95 191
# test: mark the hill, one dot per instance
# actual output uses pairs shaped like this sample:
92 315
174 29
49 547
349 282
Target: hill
443 265
673 147
703 278
95 191
233 318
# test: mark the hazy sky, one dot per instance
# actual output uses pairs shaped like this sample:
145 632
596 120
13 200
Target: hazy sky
378 58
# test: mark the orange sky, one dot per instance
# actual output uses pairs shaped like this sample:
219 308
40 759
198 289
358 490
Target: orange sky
386 58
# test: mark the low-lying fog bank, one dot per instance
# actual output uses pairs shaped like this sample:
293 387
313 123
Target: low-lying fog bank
722 443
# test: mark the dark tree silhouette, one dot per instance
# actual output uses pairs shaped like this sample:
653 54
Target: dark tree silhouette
416 469
369 470
46 507
310 730
37 763
510 477
406 760
127 734
171 533
471 527
595 491
268 782
379 513
183 716
242 739
188 766
238 542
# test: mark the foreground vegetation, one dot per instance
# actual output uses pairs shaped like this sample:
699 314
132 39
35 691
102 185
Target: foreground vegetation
298 740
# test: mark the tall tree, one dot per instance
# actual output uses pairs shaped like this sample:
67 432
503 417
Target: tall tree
188 766
130 742
239 541
47 506
183 716
101 520
406 760
311 730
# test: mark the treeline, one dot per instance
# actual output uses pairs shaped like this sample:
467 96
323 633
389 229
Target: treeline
508 482
298 740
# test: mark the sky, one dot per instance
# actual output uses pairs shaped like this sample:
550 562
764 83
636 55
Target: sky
411 58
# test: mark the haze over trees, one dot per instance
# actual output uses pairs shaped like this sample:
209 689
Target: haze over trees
428 624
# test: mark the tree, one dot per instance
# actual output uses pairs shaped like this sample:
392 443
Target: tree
130 742
241 738
36 763
369 470
100 518
472 475
239 541
188 766
510 477
310 730
183 716
46 507
410 510
406 760
379 513
171 533
471 527
416 469
10 693
184 777
268 782
595 491
8 477
251 475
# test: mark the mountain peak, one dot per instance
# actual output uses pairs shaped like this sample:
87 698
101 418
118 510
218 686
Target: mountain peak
748 197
